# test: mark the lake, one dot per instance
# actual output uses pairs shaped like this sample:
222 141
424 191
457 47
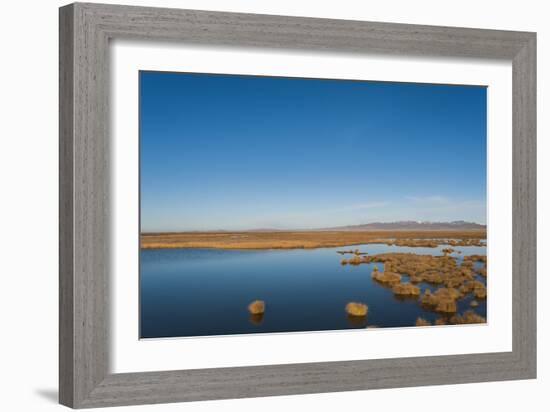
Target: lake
200 292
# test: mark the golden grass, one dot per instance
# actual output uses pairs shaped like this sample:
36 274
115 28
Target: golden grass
303 239
442 300
357 309
406 289
476 258
257 307
446 305
386 277
429 299
480 293
355 260
468 317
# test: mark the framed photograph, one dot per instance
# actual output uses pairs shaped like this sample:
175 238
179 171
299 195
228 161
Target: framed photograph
256 205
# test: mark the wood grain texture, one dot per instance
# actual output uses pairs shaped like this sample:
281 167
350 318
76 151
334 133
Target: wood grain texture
85 31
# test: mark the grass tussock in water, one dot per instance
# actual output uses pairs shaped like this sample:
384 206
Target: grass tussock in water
357 309
468 317
406 289
257 307
476 258
446 305
443 300
480 293
386 277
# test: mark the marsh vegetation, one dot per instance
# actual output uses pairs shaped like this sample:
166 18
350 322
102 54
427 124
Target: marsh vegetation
310 239
451 281
364 286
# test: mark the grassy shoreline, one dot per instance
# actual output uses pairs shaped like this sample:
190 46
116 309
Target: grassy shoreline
305 239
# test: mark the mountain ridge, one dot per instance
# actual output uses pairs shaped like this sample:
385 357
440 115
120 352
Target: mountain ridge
411 225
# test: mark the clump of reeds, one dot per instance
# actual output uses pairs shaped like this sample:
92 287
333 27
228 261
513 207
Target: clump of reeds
422 322
479 258
406 289
357 309
468 317
450 293
446 305
470 286
416 242
355 260
480 293
440 321
447 251
428 298
443 300
257 307
344 262
431 276
476 287
389 278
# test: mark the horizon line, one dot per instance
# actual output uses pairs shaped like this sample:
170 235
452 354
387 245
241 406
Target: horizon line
325 228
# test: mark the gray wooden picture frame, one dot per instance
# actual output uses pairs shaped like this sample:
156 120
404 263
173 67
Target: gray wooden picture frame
85 31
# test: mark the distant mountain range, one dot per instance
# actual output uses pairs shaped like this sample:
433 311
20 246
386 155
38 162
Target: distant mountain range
409 225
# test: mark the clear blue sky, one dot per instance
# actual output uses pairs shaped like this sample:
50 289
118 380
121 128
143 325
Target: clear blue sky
242 152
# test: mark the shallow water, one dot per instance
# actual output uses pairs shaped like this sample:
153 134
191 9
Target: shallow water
198 292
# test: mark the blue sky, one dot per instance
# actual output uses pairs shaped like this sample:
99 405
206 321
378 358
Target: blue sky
243 152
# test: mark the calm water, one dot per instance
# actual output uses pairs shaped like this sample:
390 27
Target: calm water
197 292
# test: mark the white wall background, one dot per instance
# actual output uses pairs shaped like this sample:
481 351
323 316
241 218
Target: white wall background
28 205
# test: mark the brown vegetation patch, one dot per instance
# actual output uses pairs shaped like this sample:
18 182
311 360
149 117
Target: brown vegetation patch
406 289
468 317
476 258
416 243
422 322
357 309
480 293
446 305
257 307
304 239
387 278
442 300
